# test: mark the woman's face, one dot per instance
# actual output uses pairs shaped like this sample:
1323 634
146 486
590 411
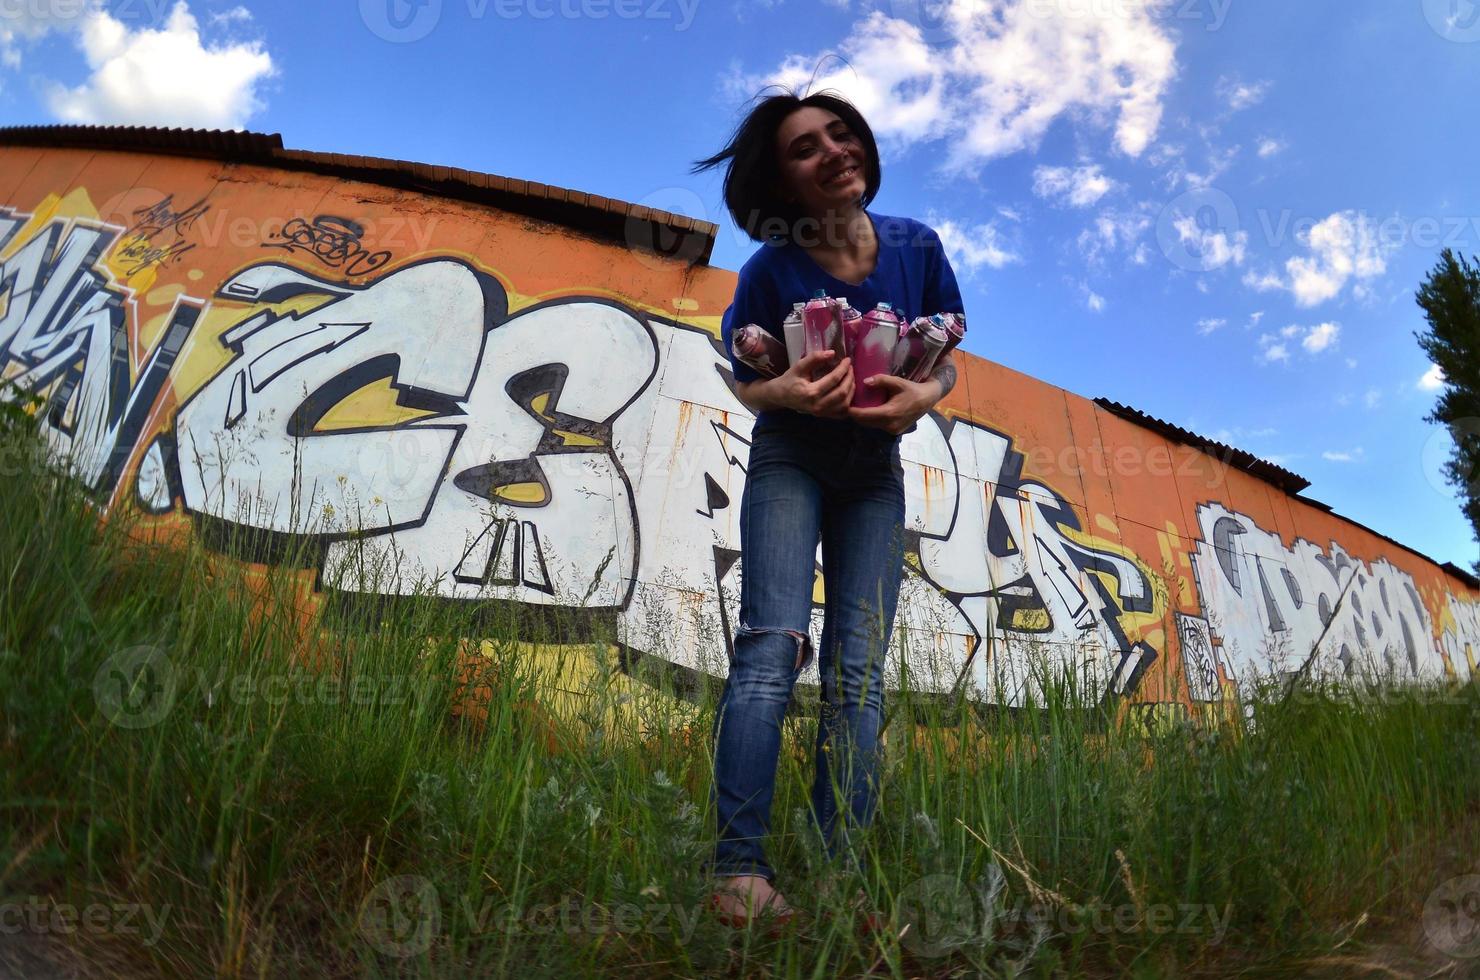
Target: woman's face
822 161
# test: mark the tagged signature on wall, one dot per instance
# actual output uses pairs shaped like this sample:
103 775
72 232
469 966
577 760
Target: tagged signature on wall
332 240
157 236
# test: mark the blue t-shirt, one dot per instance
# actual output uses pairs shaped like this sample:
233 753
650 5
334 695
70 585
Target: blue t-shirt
912 274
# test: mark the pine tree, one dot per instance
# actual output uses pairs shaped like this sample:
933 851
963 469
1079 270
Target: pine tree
1450 298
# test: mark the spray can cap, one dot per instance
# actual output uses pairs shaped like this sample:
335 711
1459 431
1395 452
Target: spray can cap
819 294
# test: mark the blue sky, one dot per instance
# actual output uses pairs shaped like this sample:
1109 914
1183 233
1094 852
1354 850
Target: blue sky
1216 211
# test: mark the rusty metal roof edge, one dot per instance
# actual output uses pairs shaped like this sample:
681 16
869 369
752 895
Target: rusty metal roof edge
602 217
1276 476
1271 473
1461 574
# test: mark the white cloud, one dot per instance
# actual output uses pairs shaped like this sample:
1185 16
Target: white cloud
1351 362
1343 456
1372 398
234 15
1432 380
995 74
1269 147
1254 319
1214 249
1078 187
1320 337
1275 352
165 76
1238 95
1208 325
1093 301
1290 331
971 247
24 22
1344 248
1115 230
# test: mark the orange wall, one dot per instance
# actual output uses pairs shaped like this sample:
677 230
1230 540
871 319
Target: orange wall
513 412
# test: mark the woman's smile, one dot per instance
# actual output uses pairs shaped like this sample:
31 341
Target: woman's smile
847 174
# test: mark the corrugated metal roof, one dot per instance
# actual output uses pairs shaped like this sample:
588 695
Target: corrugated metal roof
675 236
1291 483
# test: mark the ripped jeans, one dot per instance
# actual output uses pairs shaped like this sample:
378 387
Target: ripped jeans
844 484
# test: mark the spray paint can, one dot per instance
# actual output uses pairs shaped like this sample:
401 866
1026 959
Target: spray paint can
823 330
874 354
795 334
955 327
919 345
756 347
853 327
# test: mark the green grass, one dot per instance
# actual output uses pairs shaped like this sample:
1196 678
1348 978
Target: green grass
309 797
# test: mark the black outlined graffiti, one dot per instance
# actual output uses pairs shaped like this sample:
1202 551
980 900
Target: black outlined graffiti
64 338
158 235
333 240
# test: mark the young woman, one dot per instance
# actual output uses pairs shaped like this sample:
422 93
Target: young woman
801 174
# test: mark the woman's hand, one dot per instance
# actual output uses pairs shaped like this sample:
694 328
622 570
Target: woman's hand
828 396
908 401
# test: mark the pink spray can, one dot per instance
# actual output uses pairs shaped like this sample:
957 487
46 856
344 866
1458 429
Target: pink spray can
756 347
955 327
874 354
853 325
823 329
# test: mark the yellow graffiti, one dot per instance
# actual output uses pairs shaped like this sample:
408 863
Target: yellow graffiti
373 406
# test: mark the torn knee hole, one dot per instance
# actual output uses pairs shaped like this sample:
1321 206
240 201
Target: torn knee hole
802 640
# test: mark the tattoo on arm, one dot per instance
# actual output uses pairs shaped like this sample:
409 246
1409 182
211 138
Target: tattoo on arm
945 373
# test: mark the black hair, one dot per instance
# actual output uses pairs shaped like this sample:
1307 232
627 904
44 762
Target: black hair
753 176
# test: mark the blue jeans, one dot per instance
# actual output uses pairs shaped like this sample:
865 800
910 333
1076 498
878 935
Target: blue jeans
844 483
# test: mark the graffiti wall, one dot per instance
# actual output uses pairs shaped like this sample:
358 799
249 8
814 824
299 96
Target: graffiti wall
440 400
